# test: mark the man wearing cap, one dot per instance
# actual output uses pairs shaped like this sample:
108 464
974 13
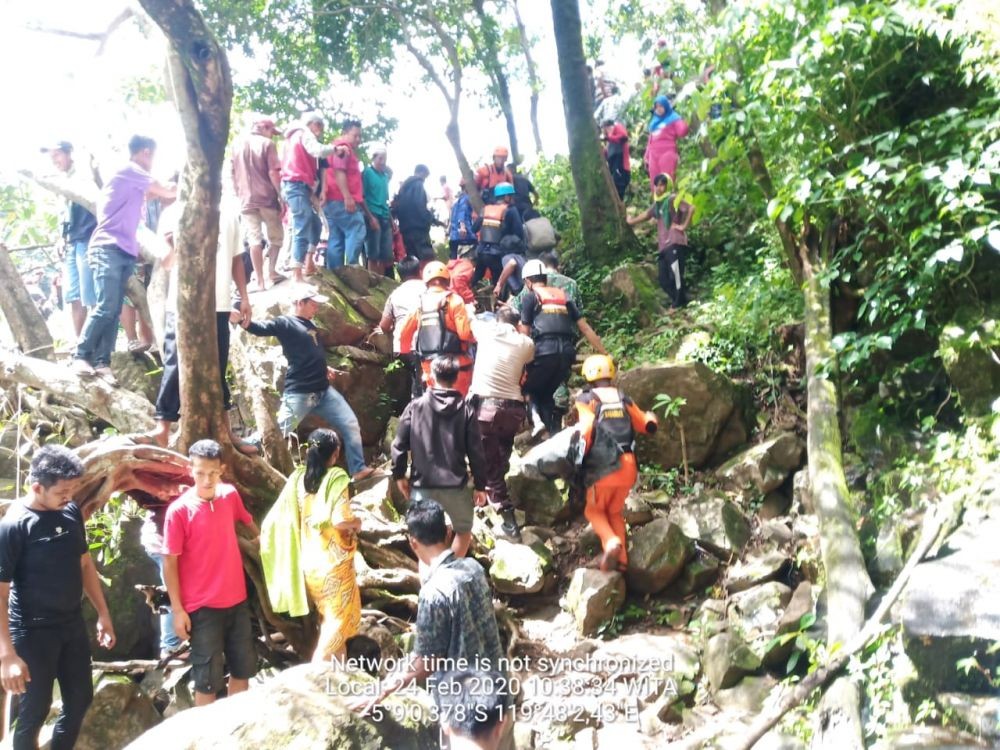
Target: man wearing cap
256 172
439 326
299 178
78 225
345 201
375 184
490 175
112 253
307 380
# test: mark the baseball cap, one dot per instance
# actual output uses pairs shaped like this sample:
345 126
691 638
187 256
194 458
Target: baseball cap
58 146
264 121
305 291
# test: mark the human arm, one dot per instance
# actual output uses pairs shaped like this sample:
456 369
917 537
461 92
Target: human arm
688 215
159 190
92 588
240 279
407 331
639 218
585 417
172 579
274 168
591 335
644 422
267 328
504 275
340 177
460 318
14 674
514 223
529 306
400 450
313 147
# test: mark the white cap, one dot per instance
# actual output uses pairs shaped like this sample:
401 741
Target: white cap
533 267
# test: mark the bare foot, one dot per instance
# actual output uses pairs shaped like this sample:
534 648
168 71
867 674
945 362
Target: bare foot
609 560
363 474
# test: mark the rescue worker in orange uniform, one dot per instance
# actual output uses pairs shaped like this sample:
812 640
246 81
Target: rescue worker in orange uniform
489 176
499 221
604 404
441 326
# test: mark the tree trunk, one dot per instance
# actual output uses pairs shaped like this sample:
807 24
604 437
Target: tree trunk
848 586
488 53
203 92
455 139
533 81
22 315
606 235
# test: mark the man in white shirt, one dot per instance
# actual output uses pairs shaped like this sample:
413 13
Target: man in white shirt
404 300
501 355
229 268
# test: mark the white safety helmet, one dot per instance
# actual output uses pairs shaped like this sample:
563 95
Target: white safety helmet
533 267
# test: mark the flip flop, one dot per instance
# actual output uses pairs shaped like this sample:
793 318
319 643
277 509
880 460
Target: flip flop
275 280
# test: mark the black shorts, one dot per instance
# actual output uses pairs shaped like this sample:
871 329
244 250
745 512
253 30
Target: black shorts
218 633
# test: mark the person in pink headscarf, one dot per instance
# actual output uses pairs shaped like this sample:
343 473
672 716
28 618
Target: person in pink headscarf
665 127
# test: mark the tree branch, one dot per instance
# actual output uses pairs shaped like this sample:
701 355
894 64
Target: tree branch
94 36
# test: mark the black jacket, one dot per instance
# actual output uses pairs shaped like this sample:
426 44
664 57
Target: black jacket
440 431
411 206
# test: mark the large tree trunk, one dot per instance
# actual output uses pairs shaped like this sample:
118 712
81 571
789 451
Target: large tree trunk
606 235
22 315
203 93
489 55
848 587
455 139
533 80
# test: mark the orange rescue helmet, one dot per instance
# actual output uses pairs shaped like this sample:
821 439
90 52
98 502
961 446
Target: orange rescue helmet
436 270
598 367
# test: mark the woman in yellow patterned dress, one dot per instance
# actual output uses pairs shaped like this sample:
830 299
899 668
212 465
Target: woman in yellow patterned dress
310 537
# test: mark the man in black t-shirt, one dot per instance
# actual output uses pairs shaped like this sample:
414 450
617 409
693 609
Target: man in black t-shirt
307 380
552 320
45 568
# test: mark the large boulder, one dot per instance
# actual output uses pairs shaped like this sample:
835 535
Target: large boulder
727 659
756 615
593 598
375 392
714 521
303 707
950 609
765 466
543 501
120 713
519 568
713 415
136 627
634 286
137 372
969 355
657 554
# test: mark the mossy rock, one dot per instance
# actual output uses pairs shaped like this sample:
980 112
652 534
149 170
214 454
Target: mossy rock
635 287
969 353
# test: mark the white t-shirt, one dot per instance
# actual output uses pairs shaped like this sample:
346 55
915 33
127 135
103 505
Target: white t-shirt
404 300
501 354
230 246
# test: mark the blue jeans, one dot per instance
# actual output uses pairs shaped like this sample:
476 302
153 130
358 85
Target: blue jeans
378 242
347 234
78 279
333 409
112 268
297 196
169 640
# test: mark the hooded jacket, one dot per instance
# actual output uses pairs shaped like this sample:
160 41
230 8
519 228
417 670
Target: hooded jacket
439 430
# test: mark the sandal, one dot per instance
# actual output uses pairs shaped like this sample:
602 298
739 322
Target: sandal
138 347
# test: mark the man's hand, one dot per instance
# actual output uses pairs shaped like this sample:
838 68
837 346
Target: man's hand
480 498
373 223
14 674
106 632
404 486
246 312
350 205
497 290
332 374
182 624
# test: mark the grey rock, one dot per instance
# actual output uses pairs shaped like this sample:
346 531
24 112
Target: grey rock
727 659
756 615
637 511
120 713
746 696
888 561
950 609
657 554
593 598
775 504
764 466
700 573
542 500
801 496
969 356
518 568
756 569
979 713
633 286
714 521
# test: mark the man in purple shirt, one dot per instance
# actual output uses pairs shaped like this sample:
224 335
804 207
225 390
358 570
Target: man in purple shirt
113 251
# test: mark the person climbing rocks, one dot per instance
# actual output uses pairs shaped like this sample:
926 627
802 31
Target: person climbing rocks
307 545
497 227
502 353
45 569
490 175
460 223
550 261
414 217
552 320
437 433
203 569
673 217
665 128
439 326
616 153
525 195
605 406
307 381
402 302
299 178
455 623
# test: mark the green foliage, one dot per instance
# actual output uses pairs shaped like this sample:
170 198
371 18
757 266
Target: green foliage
105 528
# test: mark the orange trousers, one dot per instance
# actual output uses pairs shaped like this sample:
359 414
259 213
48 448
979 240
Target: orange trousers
606 505
464 381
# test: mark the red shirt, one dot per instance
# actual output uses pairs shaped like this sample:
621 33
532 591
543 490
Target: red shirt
343 158
202 534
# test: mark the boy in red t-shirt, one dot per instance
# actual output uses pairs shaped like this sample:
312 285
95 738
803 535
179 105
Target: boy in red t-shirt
204 574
